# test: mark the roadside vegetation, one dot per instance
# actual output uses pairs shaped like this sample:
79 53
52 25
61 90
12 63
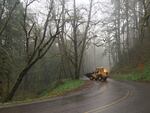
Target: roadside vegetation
130 58
36 47
63 87
134 74
59 89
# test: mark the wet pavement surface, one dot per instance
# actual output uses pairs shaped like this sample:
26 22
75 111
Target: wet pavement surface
102 97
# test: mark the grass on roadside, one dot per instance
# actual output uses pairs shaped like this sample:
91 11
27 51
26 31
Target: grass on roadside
135 75
63 88
60 89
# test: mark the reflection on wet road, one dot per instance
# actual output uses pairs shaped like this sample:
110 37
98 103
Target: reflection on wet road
103 97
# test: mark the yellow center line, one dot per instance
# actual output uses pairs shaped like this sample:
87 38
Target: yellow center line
105 107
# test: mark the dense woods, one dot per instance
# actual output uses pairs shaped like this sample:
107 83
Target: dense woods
39 49
128 31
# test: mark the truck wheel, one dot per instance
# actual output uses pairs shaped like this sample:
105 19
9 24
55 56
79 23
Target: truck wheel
97 78
105 78
100 78
91 78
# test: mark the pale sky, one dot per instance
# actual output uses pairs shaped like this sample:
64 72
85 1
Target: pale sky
40 7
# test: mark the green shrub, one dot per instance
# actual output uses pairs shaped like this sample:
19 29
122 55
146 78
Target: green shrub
135 75
64 87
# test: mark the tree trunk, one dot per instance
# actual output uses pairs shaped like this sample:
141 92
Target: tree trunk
75 42
127 19
85 37
18 82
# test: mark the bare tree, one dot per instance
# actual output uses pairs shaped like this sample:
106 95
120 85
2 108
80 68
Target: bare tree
41 43
9 15
79 44
85 38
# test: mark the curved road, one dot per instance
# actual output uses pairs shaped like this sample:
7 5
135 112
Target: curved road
103 97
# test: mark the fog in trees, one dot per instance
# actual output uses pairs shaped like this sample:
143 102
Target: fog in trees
45 42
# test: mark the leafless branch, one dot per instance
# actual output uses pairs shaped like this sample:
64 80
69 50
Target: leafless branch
9 16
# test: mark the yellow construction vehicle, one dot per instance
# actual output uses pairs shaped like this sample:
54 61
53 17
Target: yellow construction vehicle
99 74
102 73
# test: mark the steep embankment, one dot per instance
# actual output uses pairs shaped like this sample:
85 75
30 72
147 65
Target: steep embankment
139 67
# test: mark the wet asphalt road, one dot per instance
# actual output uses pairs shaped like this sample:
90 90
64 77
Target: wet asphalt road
103 97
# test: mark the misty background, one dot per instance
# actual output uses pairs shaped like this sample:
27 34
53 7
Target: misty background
44 42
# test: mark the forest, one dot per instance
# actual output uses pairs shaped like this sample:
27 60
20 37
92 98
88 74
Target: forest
40 46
